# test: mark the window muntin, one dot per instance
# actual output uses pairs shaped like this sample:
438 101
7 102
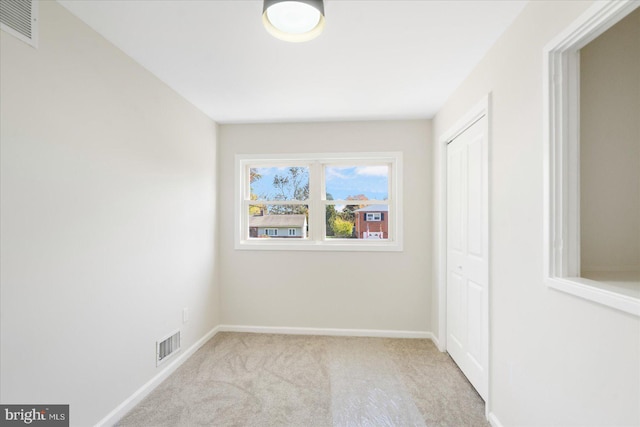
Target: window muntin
303 185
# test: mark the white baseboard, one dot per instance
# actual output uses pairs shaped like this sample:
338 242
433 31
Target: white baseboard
328 332
494 421
122 409
436 341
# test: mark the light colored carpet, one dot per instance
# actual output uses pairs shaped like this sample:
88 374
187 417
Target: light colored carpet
240 379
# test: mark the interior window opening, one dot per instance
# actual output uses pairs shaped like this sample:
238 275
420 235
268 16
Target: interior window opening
609 156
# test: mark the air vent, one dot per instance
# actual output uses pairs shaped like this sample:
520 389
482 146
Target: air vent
20 18
167 347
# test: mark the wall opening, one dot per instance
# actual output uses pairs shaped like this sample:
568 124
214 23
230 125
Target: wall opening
591 162
610 157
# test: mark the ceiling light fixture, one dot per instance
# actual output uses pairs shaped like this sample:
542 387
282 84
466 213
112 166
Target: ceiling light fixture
293 21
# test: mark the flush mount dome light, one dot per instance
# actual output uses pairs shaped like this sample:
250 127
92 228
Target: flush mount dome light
293 21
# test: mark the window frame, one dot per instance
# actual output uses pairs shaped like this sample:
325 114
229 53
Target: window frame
561 167
316 239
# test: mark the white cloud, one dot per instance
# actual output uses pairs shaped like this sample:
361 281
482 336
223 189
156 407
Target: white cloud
373 170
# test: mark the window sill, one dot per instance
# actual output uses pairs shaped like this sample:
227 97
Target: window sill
325 245
599 292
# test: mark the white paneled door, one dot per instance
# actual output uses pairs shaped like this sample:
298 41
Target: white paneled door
467 254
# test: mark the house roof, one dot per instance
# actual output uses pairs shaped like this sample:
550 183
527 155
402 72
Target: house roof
297 220
374 208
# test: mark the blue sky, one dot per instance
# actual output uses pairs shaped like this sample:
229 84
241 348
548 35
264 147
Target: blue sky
341 182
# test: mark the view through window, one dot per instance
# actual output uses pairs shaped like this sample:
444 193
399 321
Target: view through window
319 200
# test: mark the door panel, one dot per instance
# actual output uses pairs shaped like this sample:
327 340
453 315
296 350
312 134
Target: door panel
467 258
474 320
474 184
455 232
455 330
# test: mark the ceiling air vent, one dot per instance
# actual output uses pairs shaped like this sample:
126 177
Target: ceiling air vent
20 18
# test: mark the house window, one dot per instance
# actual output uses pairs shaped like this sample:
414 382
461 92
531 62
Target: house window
373 216
271 231
585 127
323 200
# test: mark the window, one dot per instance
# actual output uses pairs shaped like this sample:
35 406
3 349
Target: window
373 216
568 250
323 201
271 231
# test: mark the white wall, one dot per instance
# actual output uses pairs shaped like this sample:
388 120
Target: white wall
107 219
556 359
350 290
610 149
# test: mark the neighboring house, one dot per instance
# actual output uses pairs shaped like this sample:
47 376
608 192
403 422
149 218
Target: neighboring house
278 226
372 222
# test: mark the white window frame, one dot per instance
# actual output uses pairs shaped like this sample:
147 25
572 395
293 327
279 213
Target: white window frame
562 157
317 202
371 216
292 232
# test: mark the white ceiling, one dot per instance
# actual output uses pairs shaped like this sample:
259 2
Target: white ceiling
375 59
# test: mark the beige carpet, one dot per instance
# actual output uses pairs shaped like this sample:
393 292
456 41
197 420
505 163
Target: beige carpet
240 379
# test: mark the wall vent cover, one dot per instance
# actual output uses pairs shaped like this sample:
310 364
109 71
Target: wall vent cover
20 19
166 347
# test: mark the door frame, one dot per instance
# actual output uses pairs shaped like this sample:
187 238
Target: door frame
482 108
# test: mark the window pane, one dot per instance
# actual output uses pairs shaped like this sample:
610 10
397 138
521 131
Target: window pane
278 221
357 222
372 222
279 183
357 182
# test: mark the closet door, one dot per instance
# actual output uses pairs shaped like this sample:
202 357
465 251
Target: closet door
467 258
